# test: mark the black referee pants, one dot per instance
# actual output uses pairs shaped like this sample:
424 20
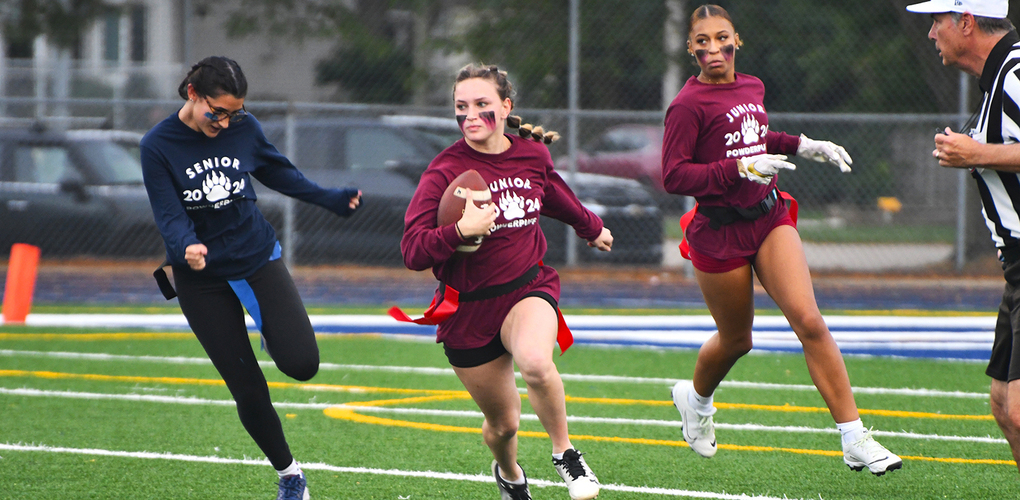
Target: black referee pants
215 314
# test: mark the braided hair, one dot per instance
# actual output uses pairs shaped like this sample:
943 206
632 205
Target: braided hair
505 90
215 76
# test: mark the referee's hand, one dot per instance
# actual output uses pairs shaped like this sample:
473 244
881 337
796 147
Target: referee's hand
954 150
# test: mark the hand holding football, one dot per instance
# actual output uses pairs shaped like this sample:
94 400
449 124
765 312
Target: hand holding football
473 223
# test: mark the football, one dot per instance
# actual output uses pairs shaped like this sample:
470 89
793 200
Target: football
451 205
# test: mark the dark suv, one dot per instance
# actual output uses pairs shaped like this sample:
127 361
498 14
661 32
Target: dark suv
73 193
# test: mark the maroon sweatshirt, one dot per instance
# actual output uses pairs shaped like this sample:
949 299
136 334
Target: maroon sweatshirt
708 127
523 186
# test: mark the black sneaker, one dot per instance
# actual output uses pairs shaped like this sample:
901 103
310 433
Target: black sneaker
509 491
581 481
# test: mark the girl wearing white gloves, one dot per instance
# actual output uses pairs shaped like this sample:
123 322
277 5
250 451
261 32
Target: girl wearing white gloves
719 149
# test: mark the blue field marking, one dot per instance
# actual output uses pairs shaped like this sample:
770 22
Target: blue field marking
949 337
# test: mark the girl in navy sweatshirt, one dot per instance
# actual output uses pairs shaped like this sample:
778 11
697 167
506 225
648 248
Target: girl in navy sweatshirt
197 165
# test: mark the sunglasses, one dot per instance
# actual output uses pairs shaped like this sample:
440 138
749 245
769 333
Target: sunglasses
216 114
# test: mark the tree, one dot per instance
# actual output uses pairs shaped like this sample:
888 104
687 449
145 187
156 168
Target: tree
382 48
621 50
62 21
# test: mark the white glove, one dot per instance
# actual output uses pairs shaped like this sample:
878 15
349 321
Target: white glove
824 151
761 168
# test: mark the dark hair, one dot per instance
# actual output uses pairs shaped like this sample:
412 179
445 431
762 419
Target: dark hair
987 25
215 76
706 11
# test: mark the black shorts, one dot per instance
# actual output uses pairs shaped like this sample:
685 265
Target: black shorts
1004 364
470 358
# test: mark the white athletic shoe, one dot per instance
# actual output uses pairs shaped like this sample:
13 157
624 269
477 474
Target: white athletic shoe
698 430
866 452
581 481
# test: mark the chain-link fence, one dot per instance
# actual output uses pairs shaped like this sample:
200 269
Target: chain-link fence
864 78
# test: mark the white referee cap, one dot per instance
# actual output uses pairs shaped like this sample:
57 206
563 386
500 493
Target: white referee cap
980 8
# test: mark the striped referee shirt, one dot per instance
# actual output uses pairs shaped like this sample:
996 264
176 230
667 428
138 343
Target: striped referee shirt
999 123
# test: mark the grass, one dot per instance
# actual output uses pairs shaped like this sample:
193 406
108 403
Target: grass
344 456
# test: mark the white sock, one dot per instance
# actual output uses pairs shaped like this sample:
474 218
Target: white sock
851 431
516 482
701 404
558 456
290 470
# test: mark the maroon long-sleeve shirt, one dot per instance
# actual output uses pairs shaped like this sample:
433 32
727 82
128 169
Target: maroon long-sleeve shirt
523 185
709 127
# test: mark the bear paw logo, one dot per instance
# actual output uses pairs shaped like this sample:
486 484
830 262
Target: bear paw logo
511 205
216 186
749 129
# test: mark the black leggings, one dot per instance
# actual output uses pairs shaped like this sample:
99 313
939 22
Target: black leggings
215 314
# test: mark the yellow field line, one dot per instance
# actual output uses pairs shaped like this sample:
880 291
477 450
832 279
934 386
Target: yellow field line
461 394
343 413
201 381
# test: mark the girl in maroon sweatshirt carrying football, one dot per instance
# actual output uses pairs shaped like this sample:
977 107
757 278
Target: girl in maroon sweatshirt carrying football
718 148
507 309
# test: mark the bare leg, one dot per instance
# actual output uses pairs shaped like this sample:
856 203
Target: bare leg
730 299
529 333
494 389
1005 402
783 271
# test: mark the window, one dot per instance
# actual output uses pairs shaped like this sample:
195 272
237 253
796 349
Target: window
45 164
113 163
377 148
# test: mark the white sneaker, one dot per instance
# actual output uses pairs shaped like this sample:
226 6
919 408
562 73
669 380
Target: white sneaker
581 481
866 452
698 430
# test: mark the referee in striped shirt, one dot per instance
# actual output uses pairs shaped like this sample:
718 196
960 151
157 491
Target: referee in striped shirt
976 37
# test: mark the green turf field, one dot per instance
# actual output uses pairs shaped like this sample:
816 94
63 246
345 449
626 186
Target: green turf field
143 415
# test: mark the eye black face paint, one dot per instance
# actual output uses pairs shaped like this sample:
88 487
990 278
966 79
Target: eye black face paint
727 51
489 118
702 55
460 121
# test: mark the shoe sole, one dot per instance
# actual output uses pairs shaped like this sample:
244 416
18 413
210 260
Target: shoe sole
683 429
858 468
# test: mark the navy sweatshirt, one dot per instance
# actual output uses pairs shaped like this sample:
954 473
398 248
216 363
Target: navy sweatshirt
201 192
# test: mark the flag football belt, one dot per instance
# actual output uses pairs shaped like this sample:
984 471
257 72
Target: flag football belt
451 299
722 216
685 220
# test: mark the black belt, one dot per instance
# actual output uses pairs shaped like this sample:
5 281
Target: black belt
721 216
1010 254
491 292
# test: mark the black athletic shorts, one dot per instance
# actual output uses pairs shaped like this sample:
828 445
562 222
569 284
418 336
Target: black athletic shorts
1004 364
469 358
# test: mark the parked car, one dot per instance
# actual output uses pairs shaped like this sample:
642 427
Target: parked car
631 151
73 193
385 158
626 207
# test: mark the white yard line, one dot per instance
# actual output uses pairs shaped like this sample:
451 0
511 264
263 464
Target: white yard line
451 476
472 414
